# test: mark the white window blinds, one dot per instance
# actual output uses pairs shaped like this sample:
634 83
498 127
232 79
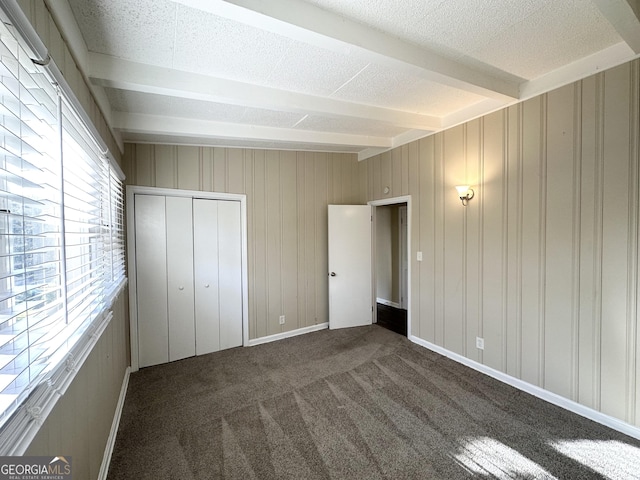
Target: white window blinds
61 231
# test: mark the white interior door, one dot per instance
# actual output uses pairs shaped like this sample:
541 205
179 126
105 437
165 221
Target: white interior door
350 287
151 280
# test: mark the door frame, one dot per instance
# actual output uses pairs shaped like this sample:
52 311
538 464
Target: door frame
404 256
379 203
131 191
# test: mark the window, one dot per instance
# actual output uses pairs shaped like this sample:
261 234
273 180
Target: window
61 230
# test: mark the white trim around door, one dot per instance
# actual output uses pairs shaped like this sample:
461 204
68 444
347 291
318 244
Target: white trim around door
394 201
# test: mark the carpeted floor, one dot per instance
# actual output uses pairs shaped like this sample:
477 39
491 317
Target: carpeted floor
362 403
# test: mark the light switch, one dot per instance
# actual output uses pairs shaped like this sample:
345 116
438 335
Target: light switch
419 256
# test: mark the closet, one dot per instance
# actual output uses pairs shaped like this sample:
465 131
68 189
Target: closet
188 277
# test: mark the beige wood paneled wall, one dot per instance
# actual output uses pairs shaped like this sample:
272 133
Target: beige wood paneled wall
543 263
287 197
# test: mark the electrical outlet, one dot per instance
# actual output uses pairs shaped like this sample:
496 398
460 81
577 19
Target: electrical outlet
419 256
281 319
480 343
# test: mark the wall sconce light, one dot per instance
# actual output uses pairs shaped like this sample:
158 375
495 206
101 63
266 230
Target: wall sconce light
465 193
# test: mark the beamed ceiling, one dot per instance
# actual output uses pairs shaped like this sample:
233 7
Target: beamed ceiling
359 76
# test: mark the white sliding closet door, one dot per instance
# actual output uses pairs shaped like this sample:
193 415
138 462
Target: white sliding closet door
218 273
207 299
188 257
180 278
151 280
230 274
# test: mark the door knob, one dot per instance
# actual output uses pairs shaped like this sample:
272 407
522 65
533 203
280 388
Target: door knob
180 288
333 274
206 286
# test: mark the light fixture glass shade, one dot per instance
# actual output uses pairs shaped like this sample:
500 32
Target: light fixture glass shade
462 190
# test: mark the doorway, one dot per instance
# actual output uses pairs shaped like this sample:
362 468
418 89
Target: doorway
391 263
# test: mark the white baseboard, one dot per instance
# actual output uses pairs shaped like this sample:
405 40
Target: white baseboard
388 302
108 451
291 333
541 393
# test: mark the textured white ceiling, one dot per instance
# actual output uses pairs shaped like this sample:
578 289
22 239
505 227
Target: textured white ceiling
333 75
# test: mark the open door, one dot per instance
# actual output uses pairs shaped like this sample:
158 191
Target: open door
350 287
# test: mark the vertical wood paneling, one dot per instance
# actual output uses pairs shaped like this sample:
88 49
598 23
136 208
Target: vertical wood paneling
473 231
302 245
413 178
274 241
252 287
310 247
396 172
235 171
559 241
533 150
634 223
426 228
129 167
144 166
493 238
453 248
513 286
349 194
260 253
404 169
321 240
344 179
220 169
289 234
373 167
358 172
362 181
165 166
333 185
576 215
81 414
206 169
439 241
615 247
386 175
634 361
587 281
188 165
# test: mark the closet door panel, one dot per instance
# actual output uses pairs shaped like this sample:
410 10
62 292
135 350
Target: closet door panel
151 280
230 273
180 278
205 245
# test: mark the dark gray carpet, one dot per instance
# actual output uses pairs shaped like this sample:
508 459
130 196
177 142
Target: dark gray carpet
362 403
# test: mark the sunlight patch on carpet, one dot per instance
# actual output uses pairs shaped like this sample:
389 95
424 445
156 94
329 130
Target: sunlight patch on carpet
484 455
610 458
